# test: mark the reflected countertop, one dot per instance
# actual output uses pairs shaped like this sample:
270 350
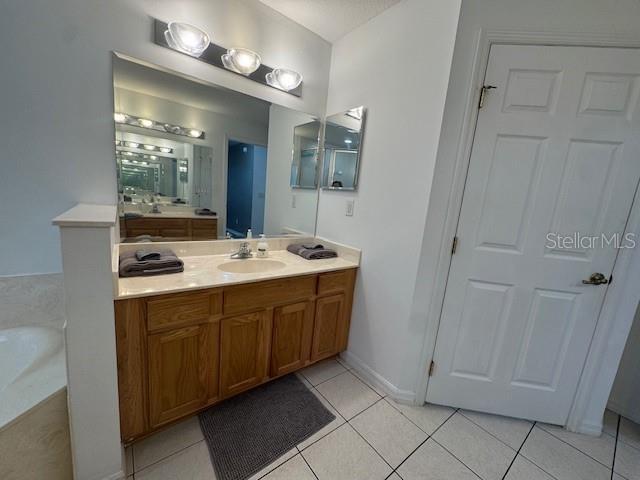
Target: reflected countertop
169 214
202 272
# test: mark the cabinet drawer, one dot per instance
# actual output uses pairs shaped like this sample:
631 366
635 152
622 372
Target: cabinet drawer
183 309
335 282
242 298
211 224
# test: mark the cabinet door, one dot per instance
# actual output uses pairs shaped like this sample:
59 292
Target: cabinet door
182 371
244 351
292 333
328 326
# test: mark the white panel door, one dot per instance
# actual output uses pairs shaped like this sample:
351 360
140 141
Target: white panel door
557 149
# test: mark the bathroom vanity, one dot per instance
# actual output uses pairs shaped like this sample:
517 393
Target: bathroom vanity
179 353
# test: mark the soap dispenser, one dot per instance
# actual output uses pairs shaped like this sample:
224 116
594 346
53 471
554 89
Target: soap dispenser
263 247
249 234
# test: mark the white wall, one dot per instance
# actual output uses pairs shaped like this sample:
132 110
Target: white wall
218 129
279 211
625 395
621 17
56 128
397 66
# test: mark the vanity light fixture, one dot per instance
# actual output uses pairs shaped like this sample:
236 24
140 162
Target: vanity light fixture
149 147
284 79
191 40
132 144
186 38
134 121
241 60
166 150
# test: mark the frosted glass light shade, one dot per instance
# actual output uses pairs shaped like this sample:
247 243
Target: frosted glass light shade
241 60
187 38
284 79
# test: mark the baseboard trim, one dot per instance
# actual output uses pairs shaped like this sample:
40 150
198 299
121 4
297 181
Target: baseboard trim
399 395
119 475
625 412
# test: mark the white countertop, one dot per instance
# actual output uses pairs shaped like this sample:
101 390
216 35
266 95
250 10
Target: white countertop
87 215
202 272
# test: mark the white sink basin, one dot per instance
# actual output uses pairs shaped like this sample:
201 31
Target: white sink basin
251 266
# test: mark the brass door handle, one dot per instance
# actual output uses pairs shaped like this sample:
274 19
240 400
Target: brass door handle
596 279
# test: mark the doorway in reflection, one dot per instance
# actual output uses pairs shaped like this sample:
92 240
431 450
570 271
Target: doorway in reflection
246 184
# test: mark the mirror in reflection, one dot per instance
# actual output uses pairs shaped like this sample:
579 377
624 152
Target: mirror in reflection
342 149
304 165
198 161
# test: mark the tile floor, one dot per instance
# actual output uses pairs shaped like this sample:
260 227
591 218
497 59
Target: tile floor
374 438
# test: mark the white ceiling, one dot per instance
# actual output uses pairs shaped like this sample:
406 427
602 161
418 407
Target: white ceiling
331 19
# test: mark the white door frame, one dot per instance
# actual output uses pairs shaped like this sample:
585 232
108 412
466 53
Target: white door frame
616 316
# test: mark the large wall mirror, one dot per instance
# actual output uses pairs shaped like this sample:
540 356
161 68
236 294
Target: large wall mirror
343 134
201 162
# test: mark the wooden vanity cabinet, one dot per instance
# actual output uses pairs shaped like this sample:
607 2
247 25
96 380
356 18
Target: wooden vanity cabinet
180 353
244 351
292 335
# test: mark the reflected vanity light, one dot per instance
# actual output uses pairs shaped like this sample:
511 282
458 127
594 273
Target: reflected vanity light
186 38
241 60
145 146
126 119
348 141
284 79
145 122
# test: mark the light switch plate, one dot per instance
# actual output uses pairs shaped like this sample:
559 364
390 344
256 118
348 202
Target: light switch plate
349 210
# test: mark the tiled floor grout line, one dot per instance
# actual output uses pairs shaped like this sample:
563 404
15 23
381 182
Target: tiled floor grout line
576 448
308 465
372 447
615 446
493 435
451 453
422 429
427 439
518 451
534 463
165 457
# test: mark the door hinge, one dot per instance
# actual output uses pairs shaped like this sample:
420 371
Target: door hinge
432 367
454 245
483 94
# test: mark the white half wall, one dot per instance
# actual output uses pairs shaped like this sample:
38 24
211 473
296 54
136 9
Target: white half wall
56 93
397 66
281 211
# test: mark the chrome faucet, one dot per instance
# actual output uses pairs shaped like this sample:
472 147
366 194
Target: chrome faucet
243 252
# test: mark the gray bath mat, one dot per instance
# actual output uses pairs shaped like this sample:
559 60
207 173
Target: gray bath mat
249 432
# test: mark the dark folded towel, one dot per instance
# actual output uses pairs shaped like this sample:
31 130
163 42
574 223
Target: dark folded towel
148 255
131 266
204 211
311 252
